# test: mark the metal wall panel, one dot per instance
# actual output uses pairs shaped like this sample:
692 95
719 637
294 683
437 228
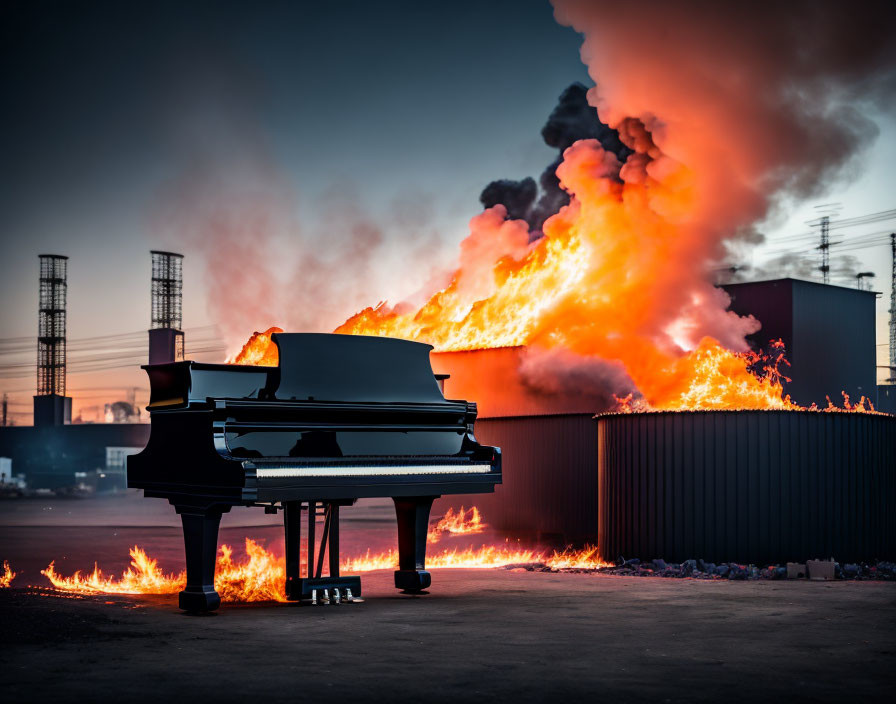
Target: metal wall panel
550 478
748 486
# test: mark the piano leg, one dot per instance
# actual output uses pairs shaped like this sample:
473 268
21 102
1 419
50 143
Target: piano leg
292 524
201 545
412 514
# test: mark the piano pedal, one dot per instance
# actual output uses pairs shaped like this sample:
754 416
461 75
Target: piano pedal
336 596
314 597
352 599
325 600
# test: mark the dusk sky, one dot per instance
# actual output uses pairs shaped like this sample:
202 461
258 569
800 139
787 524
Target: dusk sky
345 119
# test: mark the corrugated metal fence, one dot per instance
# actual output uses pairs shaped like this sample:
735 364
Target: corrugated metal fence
550 478
747 486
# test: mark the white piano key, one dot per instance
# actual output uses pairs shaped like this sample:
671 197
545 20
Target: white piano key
278 471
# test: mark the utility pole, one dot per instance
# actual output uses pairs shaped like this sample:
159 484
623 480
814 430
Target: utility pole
825 247
892 378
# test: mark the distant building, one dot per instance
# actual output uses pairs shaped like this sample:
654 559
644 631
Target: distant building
828 333
50 456
113 477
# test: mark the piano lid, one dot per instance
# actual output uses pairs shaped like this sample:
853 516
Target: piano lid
330 367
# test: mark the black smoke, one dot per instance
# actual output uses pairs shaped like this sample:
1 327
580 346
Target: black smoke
571 120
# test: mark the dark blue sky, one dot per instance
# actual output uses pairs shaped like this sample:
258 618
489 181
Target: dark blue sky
104 100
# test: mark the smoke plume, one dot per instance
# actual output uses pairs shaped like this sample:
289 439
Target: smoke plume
571 120
758 101
726 110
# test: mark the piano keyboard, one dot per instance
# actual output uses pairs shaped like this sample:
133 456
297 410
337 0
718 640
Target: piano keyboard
280 471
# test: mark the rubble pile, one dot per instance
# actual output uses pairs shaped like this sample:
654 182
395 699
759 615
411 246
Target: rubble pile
700 569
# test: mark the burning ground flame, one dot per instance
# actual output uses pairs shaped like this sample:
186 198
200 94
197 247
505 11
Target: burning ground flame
457 524
144 576
7 576
261 576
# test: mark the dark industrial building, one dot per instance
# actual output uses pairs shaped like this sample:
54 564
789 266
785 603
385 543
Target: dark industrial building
828 333
49 456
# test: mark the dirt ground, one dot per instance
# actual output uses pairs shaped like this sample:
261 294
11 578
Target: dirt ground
480 635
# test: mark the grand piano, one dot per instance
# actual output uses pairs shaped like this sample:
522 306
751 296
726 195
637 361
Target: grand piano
341 417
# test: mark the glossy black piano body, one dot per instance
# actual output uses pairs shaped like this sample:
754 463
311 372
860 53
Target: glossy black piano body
340 418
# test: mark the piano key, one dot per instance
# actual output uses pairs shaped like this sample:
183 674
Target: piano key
281 471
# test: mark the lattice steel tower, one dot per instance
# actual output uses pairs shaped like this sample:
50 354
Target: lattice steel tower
892 378
166 340
51 325
51 406
825 248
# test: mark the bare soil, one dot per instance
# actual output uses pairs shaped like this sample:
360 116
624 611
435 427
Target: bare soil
480 635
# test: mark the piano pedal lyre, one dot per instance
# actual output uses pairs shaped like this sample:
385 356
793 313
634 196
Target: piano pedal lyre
304 577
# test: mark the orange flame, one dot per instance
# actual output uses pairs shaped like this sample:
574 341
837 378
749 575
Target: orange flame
7 576
261 577
144 576
486 556
259 350
617 276
457 524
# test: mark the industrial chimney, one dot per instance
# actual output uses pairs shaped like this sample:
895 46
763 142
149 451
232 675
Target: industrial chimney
166 339
51 405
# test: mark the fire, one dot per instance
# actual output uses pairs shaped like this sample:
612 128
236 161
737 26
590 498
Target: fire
617 276
720 379
261 576
7 576
259 350
144 576
486 556
457 524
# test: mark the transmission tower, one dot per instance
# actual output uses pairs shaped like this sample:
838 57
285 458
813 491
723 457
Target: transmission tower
166 339
51 406
51 325
892 379
825 247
